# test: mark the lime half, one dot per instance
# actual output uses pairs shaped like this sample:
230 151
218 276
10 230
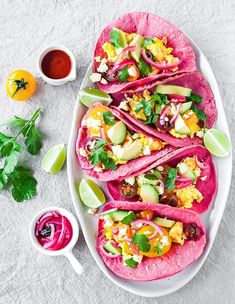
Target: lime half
89 96
91 194
217 142
54 159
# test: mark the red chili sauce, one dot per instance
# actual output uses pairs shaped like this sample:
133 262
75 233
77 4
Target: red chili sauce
56 64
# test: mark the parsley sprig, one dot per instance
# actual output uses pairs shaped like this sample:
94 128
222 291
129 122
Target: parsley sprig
99 154
13 175
171 178
142 241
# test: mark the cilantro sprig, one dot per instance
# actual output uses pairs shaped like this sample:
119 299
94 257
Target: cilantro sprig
194 98
171 178
131 263
123 74
142 241
108 118
144 68
200 113
129 218
14 176
99 154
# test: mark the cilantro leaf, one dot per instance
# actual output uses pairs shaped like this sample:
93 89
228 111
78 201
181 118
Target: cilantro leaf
33 140
131 263
150 176
140 106
114 38
24 184
200 113
170 179
15 122
142 241
151 119
3 178
129 218
147 41
100 143
159 250
195 98
10 163
123 74
157 173
144 68
108 118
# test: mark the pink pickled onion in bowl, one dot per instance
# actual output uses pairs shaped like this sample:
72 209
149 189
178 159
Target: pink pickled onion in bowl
53 231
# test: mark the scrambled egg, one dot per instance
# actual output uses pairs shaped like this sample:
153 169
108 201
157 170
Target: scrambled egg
136 98
159 50
176 233
187 195
110 51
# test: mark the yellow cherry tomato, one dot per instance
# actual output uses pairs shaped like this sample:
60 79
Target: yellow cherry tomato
160 245
20 85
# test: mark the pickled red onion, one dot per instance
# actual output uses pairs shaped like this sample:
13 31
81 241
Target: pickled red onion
124 51
183 185
199 164
108 255
162 116
120 65
177 97
176 113
150 223
160 66
182 179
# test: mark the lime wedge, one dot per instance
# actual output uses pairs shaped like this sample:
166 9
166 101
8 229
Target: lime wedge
54 159
89 96
217 142
91 194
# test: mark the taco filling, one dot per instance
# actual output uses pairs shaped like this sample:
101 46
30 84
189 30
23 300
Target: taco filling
111 142
170 108
139 235
174 186
128 57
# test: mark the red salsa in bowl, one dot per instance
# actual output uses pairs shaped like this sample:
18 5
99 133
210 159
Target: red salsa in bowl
53 230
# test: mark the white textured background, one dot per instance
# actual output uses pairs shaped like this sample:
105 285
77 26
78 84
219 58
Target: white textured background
25 28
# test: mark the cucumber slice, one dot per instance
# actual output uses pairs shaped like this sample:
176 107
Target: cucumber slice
181 127
163 222
173 89
185 107
138 41
108 246
149 194
117 133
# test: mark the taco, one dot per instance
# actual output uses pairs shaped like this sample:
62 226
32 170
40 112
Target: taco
176 110
184 178
137 49
144 241
109 146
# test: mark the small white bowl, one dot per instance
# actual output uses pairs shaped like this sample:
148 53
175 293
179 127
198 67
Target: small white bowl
57 82
67 250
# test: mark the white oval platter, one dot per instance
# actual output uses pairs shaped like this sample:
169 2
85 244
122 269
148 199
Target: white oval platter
211 219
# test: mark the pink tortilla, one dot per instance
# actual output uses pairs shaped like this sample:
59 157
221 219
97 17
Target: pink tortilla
207 188
172 262
148 25
122 170
199 86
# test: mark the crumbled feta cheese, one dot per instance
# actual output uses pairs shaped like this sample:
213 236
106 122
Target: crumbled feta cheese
98 169
160 168
102 67
166 119
83 152
150 140
182 168
97 58
116 149
124 105
200 134
147 150
132 71
95 77
160 190
103 81
164 240
203 178
137 258
130 180
108 221
122 232
91 211
93 123
186 116
135 135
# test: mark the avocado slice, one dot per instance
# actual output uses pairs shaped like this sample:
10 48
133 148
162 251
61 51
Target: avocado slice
149 194
118 215
117 133
108 246
173 89
130 152
185 107
181 127
138 41
121 38
163 222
